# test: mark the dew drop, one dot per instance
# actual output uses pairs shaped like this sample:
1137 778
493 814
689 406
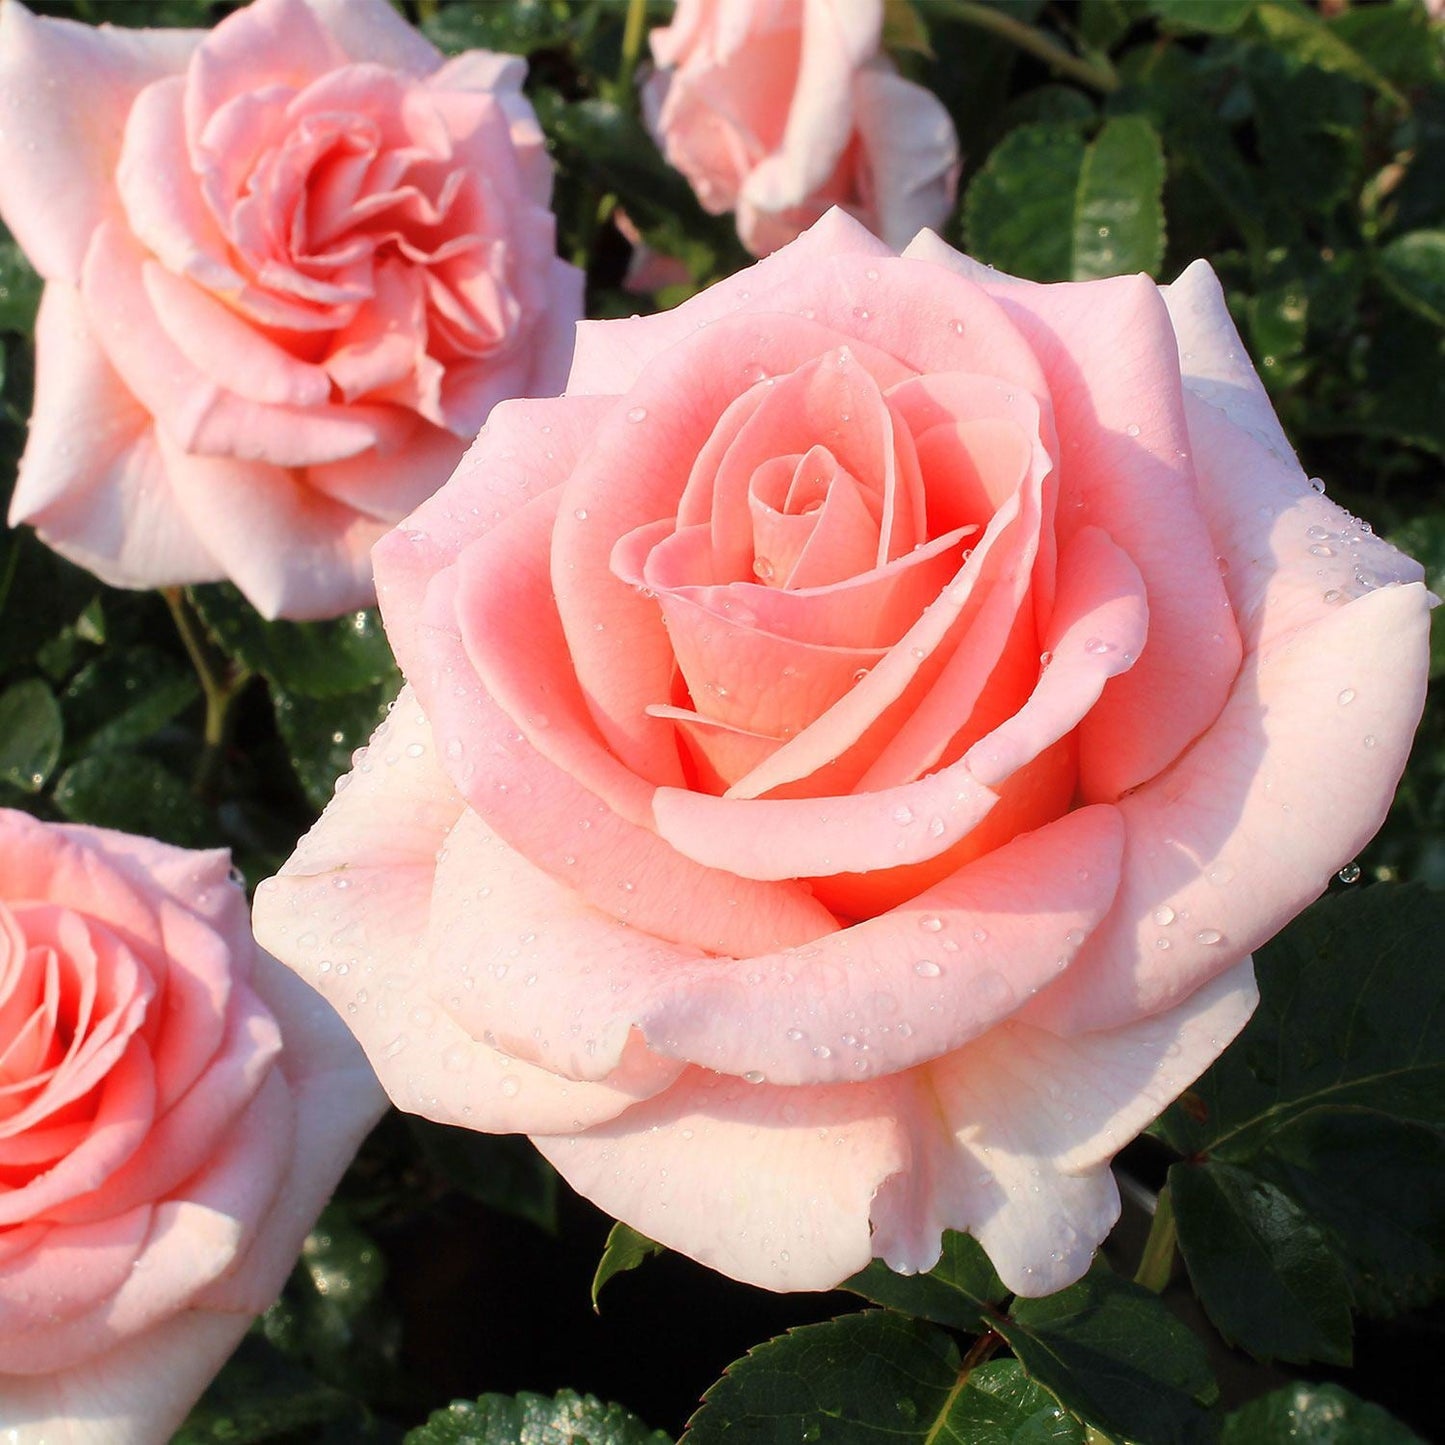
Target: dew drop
1321 549
927 968
755 1076
903 815
1370 740
638 413
1164 915
1350 873
956 326
1317 484
931 922
510 1086
1208 936
1132 429
580 514
1098 646
1346 697
763 569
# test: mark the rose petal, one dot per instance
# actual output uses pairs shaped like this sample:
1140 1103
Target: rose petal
92 480
68 88
768 1185
1011 1135
357 935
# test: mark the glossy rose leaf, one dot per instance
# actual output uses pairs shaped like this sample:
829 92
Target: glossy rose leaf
1350 1017
1309 1414
1115 1356
958 1291
1376 1187
874 1377
322 733
136 793
31 733
1260 1266
317 659
1050 206
260 1396
626 1249
524 1418
124 697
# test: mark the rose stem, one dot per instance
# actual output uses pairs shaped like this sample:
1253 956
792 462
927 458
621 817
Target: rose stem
632 31
1156 1263
222 683
1096 74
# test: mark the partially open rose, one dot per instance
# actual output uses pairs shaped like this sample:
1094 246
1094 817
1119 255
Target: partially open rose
854 739
174 1111
291 262
779 109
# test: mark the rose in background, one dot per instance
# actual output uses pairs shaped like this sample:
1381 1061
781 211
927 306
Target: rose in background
291 264
175 1110
779 109
853 741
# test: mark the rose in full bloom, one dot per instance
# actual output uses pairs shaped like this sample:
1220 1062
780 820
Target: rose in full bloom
175 1108
291 263
853 741
779 109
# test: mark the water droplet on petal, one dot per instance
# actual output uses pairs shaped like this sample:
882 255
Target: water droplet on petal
1350 873
638 413
927 968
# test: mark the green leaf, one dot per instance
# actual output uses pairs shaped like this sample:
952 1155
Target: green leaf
315 659
1308 123
322 733
1052 207
525 1419
625 1249
1376 1186
1118 211
261 1398
1214 17
1000 1405
1351 1016
20 288
877 1378
329 1317
124 697
1259 1265
1111 1353
1413 267
516 26
135 794
1300 32
1306 1414
31 733
863 1379
958 1291
1395 39
502 1171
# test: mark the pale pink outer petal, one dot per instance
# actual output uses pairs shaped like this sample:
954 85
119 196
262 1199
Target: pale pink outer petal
912 153
1213 361
68 88
371 30
93 481
1297 772
1012 1135
839 36
137 1394
564 985
292 550
768 1185
610 355
350 913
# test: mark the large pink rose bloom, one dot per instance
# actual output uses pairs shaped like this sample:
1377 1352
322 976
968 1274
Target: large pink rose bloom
854 739
779 109
291 263
175 1108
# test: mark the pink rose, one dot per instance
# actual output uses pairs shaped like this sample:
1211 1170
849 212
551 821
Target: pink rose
854 739
292 263
175 1110
779 109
